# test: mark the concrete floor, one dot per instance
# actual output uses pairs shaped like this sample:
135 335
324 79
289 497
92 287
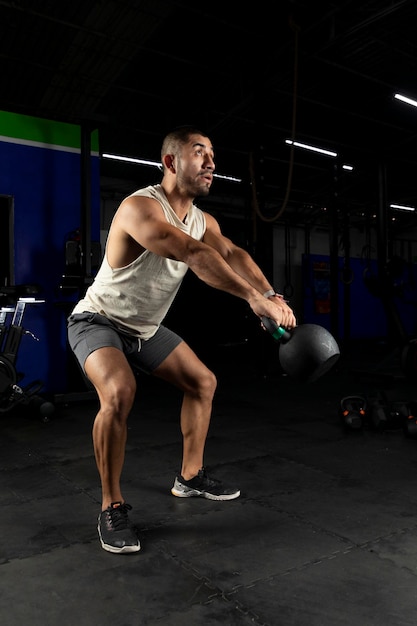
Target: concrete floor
324 533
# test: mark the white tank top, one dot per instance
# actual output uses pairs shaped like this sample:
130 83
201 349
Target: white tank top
137 297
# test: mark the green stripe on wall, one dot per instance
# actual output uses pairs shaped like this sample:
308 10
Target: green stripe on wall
43 131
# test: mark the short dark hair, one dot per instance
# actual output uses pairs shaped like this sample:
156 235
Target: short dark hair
178 137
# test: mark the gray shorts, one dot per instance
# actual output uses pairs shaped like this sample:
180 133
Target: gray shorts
89 331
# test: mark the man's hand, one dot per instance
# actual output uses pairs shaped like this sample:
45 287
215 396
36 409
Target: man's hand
276 308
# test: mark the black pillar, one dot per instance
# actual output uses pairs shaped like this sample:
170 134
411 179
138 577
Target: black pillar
86 201
334 260
396 331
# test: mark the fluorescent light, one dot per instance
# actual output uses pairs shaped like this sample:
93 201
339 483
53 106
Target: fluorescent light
117 157
312 148
306 146
157 164
233 179
402 207
398 96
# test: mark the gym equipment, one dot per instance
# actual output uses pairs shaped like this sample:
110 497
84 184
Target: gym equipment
306 352
387 414
353 412
379 413
409 412
390 286
11 393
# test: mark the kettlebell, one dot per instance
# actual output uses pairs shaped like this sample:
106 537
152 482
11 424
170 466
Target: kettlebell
306 352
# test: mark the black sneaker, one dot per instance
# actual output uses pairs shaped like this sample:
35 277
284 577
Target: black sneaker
202 485
115 530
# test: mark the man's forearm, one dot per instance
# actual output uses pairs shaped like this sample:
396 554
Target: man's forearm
212 269
243 264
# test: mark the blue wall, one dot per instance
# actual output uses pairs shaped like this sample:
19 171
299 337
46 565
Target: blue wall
367 314
45 183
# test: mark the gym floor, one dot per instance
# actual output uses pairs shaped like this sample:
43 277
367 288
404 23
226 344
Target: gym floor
324 533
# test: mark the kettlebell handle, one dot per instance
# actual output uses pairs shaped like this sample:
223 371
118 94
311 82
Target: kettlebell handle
278 332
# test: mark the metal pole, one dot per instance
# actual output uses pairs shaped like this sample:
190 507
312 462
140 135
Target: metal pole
86 201
334 262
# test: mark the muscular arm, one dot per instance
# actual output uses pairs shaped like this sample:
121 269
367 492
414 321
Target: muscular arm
140 224
237 258
243 264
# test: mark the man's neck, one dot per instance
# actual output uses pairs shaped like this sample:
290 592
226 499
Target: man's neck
179 203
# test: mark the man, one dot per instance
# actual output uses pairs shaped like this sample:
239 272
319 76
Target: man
156 235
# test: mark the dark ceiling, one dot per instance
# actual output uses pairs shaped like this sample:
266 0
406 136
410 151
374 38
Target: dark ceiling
251 75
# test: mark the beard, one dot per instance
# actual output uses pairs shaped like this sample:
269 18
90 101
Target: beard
193 186
204 189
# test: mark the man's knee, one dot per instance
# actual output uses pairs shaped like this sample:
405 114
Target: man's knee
116 392
118 398
207 383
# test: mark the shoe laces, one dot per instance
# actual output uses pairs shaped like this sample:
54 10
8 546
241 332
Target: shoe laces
209 482
117 518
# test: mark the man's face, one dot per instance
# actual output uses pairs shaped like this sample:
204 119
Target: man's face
195 166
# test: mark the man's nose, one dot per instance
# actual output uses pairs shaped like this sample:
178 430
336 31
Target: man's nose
210 163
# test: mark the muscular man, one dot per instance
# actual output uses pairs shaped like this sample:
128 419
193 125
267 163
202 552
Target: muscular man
156 235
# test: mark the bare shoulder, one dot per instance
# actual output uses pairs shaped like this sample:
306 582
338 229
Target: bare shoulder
211 223
135 209
216 239
213 235
128 232
140 224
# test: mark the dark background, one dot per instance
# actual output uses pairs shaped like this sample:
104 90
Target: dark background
250 75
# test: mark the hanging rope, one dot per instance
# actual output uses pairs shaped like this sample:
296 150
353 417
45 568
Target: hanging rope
255 202
288 290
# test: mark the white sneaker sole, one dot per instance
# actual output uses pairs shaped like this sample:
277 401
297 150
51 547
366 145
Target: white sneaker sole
114 549
203 494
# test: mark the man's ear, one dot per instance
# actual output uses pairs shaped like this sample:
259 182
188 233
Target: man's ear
169 162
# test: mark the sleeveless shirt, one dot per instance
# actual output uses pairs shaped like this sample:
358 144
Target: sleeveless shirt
137 297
